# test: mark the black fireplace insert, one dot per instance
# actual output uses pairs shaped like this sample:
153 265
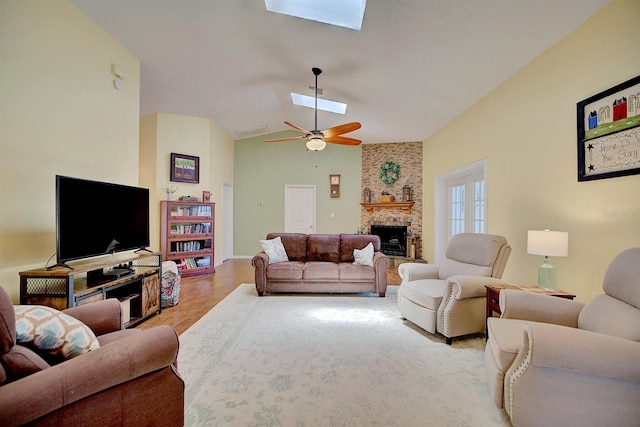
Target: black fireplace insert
393 239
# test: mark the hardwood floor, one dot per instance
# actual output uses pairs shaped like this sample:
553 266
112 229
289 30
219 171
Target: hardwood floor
198 294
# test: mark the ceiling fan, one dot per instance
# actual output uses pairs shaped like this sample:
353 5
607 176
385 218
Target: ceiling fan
317 139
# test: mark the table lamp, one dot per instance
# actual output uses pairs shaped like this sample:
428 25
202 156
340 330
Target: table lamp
547 243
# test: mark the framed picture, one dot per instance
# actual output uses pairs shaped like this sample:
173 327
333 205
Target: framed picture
206 196
185 168
609 132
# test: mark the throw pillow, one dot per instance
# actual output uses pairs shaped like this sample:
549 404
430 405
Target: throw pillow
274 250
52 332
364 256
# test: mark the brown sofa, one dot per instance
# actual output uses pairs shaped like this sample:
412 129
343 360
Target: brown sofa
322 263
130 380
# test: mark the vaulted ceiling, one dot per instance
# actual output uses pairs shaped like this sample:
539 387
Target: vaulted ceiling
414 66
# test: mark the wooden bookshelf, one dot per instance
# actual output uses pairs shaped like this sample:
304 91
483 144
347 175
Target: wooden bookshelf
187 235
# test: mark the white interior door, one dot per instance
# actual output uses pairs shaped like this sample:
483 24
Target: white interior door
227 221
300 209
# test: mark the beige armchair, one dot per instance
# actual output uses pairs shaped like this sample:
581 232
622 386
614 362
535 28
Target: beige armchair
553 361
451 298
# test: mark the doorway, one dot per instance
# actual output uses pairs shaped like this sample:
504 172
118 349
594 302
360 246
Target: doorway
300 209
461 204
227 221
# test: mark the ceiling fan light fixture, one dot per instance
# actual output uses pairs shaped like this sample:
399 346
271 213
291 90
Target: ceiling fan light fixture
318 138
316 144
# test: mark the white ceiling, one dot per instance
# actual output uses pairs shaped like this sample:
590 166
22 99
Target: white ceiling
414 66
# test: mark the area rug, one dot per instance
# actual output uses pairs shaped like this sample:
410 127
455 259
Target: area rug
328 360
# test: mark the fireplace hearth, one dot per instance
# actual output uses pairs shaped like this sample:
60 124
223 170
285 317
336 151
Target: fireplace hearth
393 239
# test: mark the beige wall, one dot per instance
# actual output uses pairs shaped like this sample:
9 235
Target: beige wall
526 129
163 134
59 114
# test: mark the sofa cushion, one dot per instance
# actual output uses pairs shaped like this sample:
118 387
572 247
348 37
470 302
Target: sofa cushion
20 362
424 292
320 270
294 243
450 267
504 340
274 250
349 242
52 332
354 272
364 256
323 247
610 316
475 248
621 279
7 323
290 270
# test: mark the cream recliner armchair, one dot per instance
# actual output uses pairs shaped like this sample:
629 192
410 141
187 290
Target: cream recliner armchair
450 298
553 361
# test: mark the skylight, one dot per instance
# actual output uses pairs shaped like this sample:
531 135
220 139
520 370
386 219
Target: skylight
343 13
323 104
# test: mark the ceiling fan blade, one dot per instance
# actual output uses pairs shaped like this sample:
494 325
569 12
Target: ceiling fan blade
342 140
293 138
298 128
340 129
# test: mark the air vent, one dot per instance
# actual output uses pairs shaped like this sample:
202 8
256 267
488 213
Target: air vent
247 133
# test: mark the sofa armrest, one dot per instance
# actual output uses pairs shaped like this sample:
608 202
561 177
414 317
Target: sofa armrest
260 262
380 266
575 377
410 271
579 351
116 363
461 287
102 317
516 304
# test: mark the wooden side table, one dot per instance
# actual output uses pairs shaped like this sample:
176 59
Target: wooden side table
493 295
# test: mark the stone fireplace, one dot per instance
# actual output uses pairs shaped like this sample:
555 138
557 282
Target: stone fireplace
399 225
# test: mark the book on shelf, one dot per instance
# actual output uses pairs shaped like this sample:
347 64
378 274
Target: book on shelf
203 262
189 263
197 210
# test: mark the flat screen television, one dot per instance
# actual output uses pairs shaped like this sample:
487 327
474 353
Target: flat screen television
96 218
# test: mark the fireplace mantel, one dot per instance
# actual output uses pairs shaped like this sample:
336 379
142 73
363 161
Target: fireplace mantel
405 206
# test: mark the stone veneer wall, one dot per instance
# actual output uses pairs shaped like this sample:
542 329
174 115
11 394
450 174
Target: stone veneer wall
409 156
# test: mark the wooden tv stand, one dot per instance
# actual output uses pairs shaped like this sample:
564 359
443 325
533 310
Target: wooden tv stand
61 287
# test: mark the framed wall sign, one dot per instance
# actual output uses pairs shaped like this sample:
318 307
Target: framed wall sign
609 132
334 182
185 168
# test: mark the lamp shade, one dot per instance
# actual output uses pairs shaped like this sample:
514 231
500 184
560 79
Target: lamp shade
548 243
316 144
